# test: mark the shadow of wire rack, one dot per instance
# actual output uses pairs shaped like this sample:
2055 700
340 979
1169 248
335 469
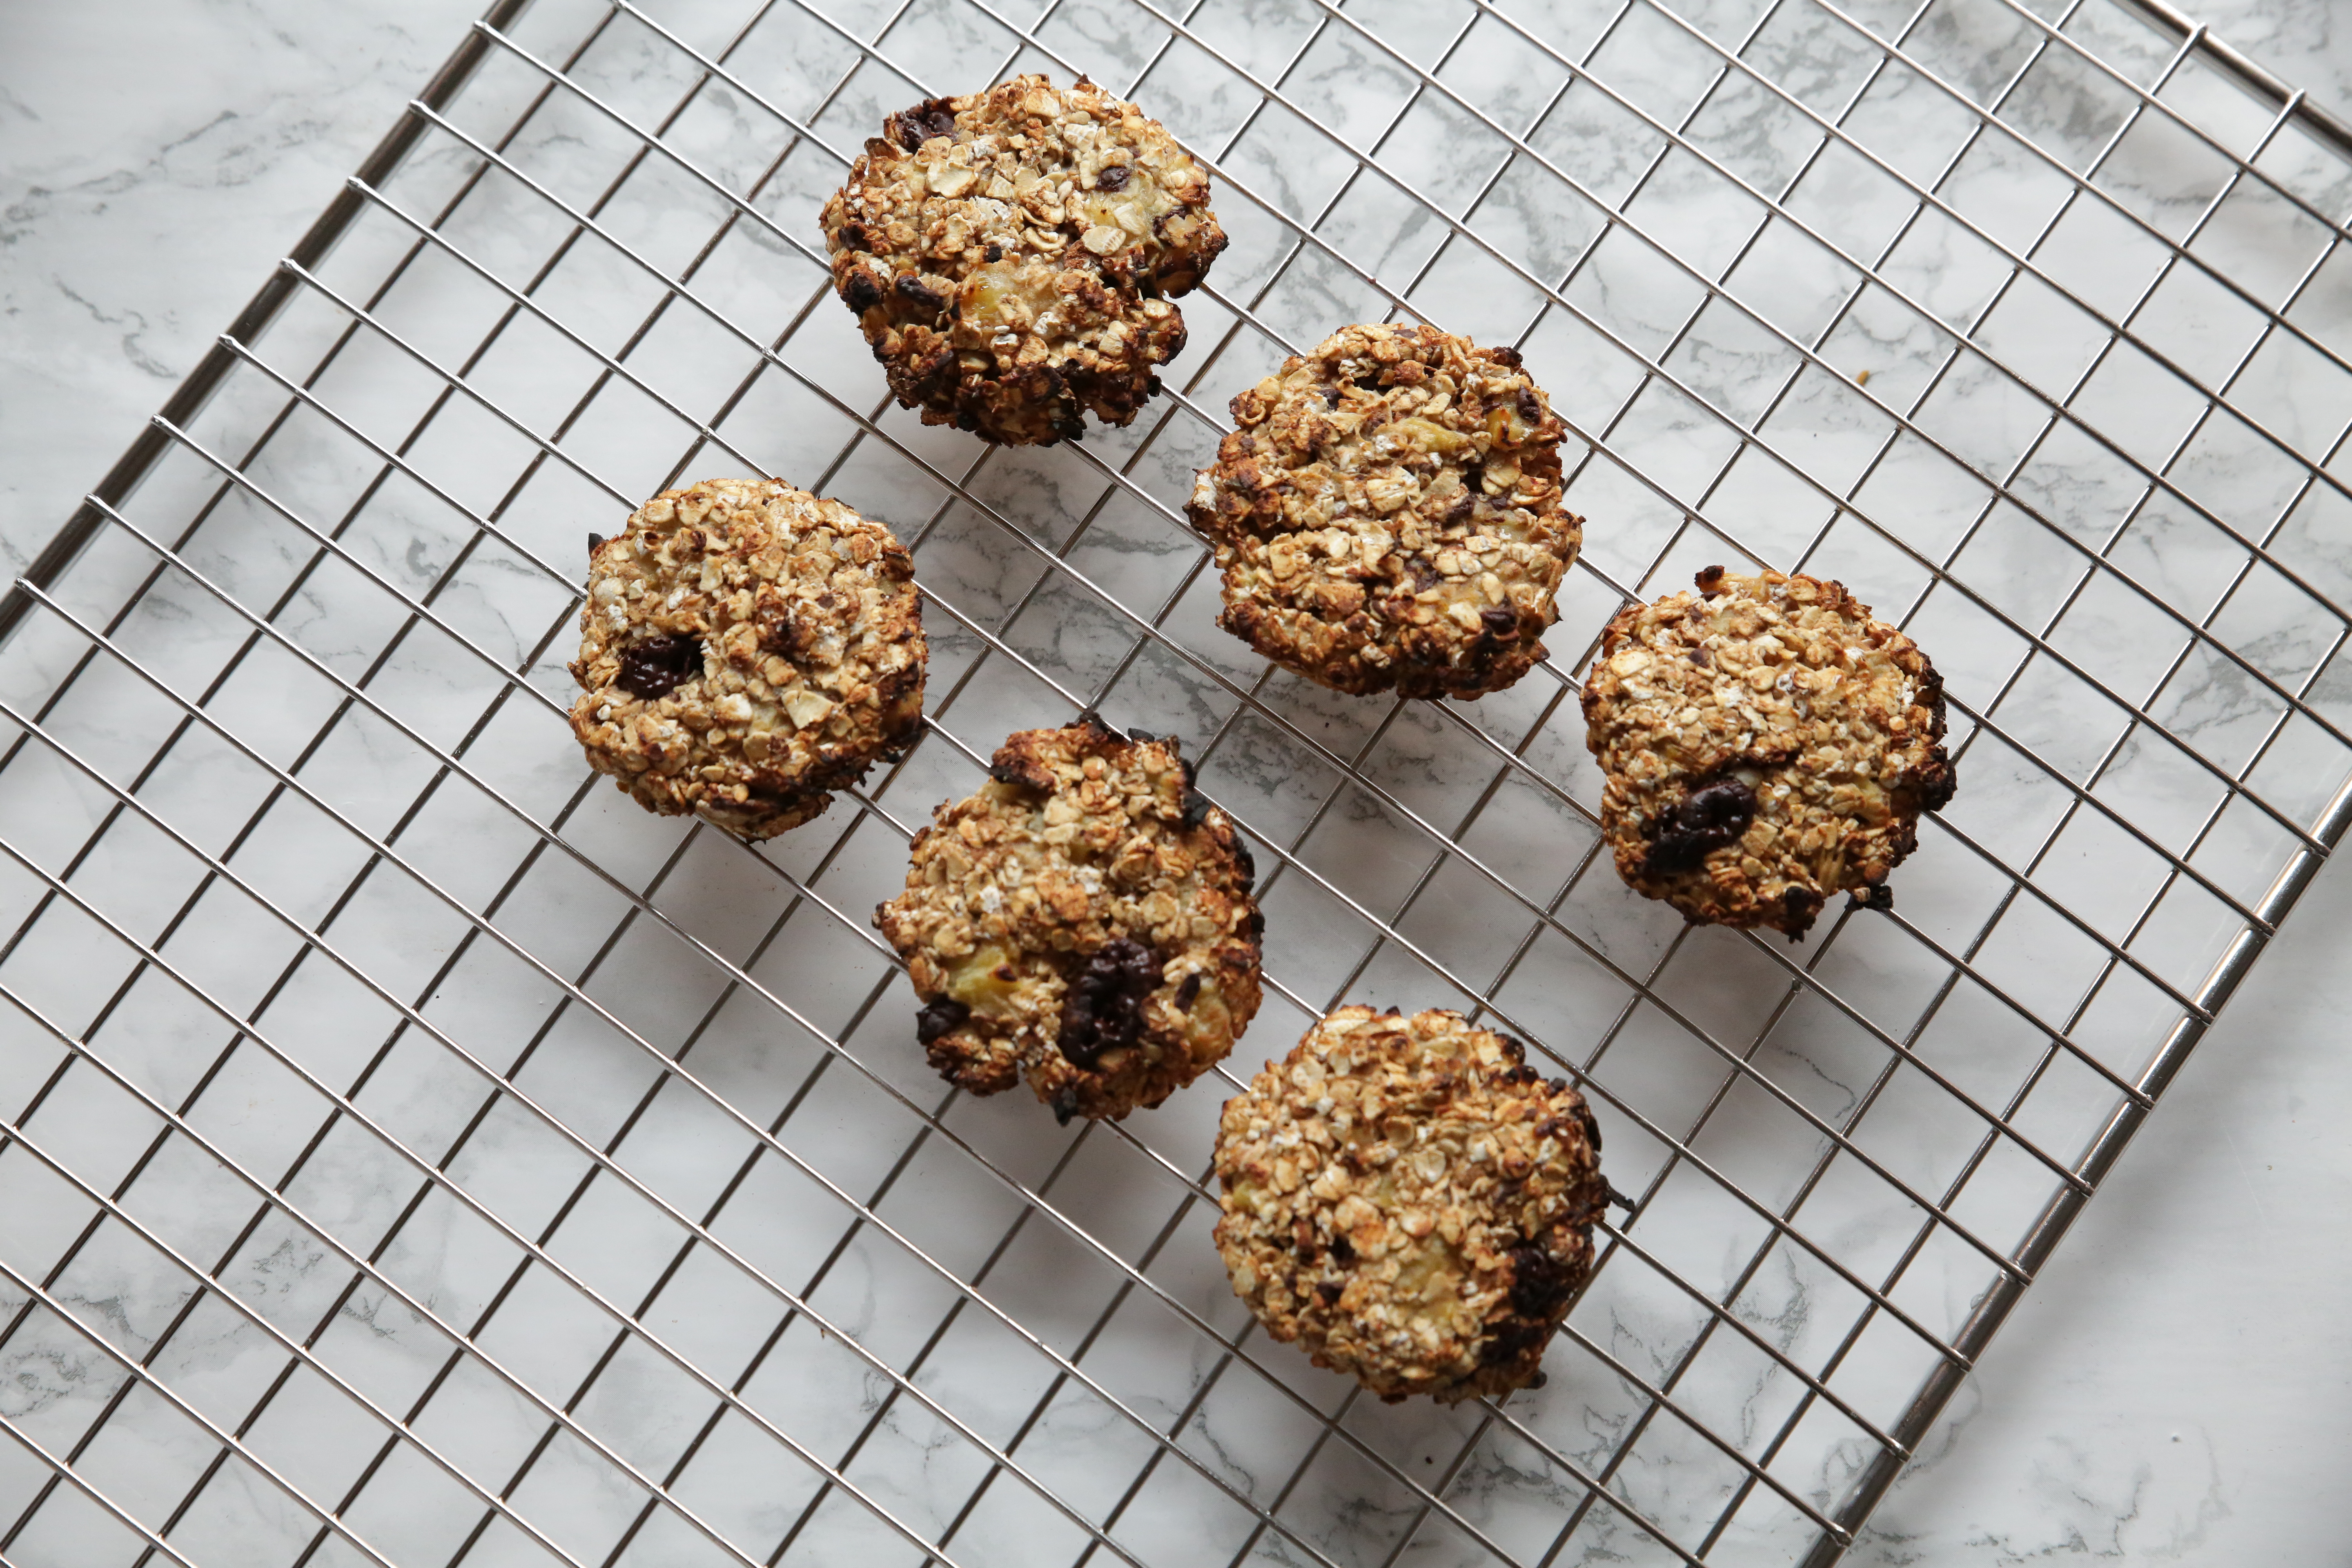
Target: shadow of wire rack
415 1155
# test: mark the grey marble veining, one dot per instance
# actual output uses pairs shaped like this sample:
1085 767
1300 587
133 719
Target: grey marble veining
594 1148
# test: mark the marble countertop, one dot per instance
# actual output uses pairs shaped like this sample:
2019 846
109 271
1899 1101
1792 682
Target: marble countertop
2177 1387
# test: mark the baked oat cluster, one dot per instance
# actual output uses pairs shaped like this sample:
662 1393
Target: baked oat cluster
1009 255
745 648
1411 1201
1766 744
1387 513
1084 921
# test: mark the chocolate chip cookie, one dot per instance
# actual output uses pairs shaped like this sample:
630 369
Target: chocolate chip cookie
1011 255
1387 513
1766 744
1411 1201
1084 922
745 648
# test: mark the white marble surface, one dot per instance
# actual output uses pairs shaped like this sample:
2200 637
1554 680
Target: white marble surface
2177 1388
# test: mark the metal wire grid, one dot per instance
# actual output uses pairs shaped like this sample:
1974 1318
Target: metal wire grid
704 1266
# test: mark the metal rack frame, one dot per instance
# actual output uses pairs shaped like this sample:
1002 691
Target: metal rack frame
95 637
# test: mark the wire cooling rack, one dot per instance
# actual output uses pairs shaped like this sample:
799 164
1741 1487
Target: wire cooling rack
415 1155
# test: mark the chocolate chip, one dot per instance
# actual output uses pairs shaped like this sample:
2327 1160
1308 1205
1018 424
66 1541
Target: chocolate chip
913 288
1530 407
1188 992
1104 1008
1329 1291
1342 1248
1799 905
1003 774
1330 398
1473 478
659 665
1540 1283
861 292
1705 819
1505 356
1141 735
1248 864
1500 619
1871 896
1591 1130
940 1018
1196 808
1114 177
1370 380
910 128
1514 1047
1701 657
1425 575
596 543
1065 1103
994 253
1257 922
1707 579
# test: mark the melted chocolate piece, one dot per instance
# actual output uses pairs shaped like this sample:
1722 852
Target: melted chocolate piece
942 1016
1703 820
1065 1103
1504 355
912 288
1330 398
1328 1289
659 665
1592 1133
1501 620
1510 1340
860 292
1104 1009
1801 904
1701 657
1188 992
1871 896
1342 1248
1530 407
995 253
910 128
1196 808
1539 1284
1114 177
596 543
1616 1197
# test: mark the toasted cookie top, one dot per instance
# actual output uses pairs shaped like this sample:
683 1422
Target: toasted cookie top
1084 921
1009 255
1387 513
1411 1201
1766 744
745 648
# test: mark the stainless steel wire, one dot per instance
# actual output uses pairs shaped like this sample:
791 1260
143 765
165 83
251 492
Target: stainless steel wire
1848 1161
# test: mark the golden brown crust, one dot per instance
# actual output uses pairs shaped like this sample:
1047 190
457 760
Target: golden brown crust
1766 744
1412 1202
1386 512
745 648
1085 921
1008 254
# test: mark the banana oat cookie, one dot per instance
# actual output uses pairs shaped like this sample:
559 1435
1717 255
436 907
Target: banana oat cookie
1387 513
1766 744
1085 921
1411 1201
1009 255
745 648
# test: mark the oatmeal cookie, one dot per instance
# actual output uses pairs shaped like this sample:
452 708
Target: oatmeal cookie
1386 513
1411 1201
1766 744
1009 255
745 648
1084 922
